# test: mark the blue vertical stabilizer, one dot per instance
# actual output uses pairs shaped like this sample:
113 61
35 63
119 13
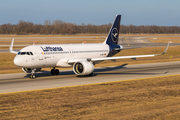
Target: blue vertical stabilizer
112 38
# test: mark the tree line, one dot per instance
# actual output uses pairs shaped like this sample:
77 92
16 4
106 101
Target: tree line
60 27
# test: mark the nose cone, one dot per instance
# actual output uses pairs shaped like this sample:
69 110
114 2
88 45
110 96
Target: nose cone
17 61
23 61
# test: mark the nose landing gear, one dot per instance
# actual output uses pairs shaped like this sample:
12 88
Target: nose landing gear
53 72
32 76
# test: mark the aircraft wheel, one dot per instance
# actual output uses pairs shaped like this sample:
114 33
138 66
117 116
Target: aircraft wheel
32 76
52 71
56 72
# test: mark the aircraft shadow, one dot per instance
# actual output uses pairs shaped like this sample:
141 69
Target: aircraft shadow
47 73
97 71
130 73
110 68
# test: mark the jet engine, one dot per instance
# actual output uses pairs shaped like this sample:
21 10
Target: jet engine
83 68
29 70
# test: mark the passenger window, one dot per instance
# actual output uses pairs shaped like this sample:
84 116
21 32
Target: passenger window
19 53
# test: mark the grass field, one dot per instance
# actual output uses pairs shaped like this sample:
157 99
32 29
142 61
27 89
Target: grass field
145 99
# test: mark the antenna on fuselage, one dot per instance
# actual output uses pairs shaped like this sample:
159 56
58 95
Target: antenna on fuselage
34 42
84 42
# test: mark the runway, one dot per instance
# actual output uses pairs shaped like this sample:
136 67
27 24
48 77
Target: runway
132 41
21 81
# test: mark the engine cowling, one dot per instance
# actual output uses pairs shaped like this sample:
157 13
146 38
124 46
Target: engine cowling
29 70
83 68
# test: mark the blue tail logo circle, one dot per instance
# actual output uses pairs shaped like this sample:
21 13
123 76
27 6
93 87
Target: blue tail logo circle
114 35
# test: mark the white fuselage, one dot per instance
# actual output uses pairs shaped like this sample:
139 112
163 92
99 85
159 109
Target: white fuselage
57 55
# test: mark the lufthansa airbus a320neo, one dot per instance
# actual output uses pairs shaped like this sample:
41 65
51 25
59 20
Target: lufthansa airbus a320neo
82 57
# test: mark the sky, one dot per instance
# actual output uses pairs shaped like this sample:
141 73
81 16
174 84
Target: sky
97 12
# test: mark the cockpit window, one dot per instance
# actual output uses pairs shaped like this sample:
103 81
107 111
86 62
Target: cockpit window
25 53
28 53
31 53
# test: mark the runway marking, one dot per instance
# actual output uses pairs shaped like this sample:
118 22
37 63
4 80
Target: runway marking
126 41
90 84
143 41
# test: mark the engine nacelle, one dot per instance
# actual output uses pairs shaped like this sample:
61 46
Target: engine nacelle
29 70
83 68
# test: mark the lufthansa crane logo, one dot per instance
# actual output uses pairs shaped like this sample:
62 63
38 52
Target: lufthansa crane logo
114 35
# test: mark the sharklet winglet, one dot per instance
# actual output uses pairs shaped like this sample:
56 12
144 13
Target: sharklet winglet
11 47
165 49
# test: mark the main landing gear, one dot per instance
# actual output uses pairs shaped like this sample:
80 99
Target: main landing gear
54 71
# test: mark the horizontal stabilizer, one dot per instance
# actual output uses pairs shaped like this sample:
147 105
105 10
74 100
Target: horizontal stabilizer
124 48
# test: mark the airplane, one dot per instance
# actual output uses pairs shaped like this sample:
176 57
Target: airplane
82 57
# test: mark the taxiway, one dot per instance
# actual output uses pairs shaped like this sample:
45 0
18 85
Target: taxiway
22 82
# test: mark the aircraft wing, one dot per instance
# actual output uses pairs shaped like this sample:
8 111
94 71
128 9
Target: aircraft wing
118 57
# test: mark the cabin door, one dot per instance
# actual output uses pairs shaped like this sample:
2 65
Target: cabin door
40 54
